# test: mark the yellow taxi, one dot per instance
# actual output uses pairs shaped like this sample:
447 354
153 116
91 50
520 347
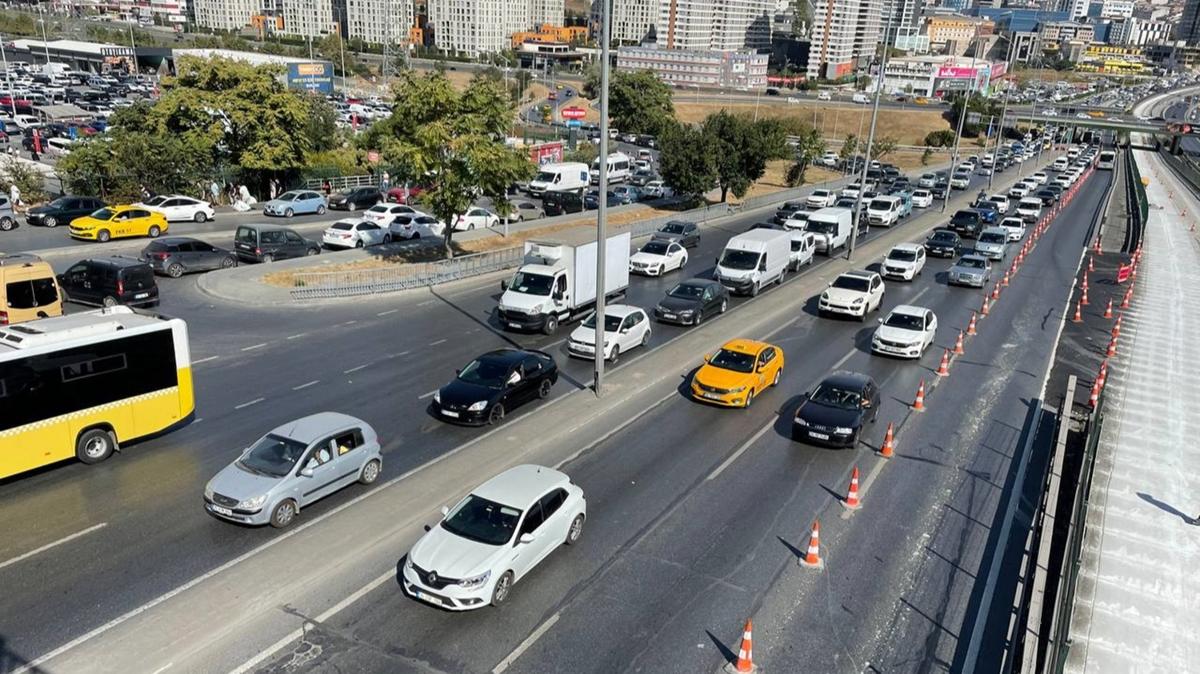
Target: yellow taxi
114 222
737 372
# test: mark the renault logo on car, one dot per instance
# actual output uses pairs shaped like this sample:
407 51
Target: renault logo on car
432 578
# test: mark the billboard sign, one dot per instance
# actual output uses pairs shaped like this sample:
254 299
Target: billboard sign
955 73
573 113
999 69
546 153
314 77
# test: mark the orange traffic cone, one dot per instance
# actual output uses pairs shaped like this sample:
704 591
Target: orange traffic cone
1108 309
983 309
919 403
889 442
1083 298
944 369
1078 317
1091 266
971 326
958 344
1112 347
852 501
745 658
1125 300
1084 285
813 559
1102 377
996 292
1094 399
1004 280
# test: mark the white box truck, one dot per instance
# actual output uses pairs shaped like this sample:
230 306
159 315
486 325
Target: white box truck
556 282
831 226
563 177
754 259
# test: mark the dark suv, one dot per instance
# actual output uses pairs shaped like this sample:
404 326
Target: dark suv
558 203
359 197
62 211
109 281
267 243
178 255
967 223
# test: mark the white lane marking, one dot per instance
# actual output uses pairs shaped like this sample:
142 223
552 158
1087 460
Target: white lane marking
741 450
426 303
162 669
254 346
204 360
914 298
843 359
326 615
311 383
388 312
551 345
65 539
524 645
252 402
350 322
426 395
437 342
297 335
355 369
400 355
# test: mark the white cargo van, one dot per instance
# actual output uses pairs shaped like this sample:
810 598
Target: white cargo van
559 178
754 259
831 228
620 167
884 211
804 245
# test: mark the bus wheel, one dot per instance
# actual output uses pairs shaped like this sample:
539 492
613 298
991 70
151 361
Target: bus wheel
94 446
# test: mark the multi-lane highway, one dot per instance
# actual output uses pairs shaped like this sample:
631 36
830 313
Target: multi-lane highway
696 513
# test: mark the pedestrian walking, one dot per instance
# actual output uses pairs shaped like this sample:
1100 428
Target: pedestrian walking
215 191
327 187
14 196
274 188
386 184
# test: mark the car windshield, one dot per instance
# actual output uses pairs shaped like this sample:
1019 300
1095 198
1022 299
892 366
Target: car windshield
837 397
733 360
103 214
972 263
611 323
942 237
154 201
672 228
654 248
546 177
903 255
60 202
852 283
342 225
273 455
485 372
532 284
880 205
739 259
993 237
379 208
687 291
962 217
288 196
819 226
904 321
482 521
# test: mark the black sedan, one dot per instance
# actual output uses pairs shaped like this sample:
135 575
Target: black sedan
494 384
785 212
689 302
178 255
359 197
62 210
1048 197
944 243
836 411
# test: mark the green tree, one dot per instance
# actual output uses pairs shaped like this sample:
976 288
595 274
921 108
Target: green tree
687 162
926 156
124 162
849 147
638 102
742 149
801 18
451 141
584 152
810 146
942 138
29 180
882 147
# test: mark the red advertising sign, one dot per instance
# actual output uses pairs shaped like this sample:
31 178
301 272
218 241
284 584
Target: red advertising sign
573 113
546 153
373 157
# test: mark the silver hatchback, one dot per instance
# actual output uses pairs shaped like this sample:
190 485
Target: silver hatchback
294 466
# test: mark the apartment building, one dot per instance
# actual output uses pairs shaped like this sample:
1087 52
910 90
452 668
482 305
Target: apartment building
901 21
225 14
1054 32
379 21
714 24
632 20
703 68
308 18
959 30
845 35
473 27
1189 26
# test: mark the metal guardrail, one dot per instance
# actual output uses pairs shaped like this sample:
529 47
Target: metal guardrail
340 183
353 282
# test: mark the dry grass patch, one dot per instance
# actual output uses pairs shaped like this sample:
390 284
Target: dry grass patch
907 126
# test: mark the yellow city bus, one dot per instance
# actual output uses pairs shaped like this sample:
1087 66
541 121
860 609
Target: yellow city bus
79 386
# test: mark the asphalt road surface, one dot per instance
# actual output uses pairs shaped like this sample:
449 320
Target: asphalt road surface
676 547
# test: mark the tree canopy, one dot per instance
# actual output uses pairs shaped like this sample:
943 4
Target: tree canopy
687 162
742 148
638 102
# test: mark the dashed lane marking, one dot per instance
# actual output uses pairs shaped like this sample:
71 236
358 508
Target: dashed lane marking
204 360
524 645
388 312
252 402
297 335
65 539
440 341
303 386
741 450
254 346
426 395
355 369
426 303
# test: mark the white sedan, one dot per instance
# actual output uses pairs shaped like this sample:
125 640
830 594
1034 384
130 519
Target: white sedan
906 332
1040 177
821 199
415 226
354 233
476 218
922 199
384 214
494 537
178 208
625 328
658 257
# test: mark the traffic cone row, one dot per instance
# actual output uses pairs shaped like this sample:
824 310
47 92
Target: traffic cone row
944 368
852 501
1108 310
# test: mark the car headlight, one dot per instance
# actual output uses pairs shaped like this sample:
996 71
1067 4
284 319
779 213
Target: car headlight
437 398
253 503
477 407
825 297
208 492
737 390
475 581
687 312
801 422
842 430
857 302
408 564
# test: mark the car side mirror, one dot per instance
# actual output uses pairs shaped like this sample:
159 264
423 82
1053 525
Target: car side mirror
503 286
306 472
879 321
445 510
514 378
866 404
708 358
428 528
526 538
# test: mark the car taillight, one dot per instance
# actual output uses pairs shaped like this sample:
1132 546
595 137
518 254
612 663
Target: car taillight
159 256
3 318
258 251
120 287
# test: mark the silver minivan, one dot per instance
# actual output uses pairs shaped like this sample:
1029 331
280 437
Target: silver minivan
294 466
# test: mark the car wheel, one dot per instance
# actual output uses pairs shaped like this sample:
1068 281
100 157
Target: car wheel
646 338
175 270
312 251
103 236
615 356
94 446
782 277
7 224
351 206
284 514
754 290
496 414
387 238
229 262
154 231
50 221
320 210
200 216
544 389
502 588
109 301
778 374
370 472
416 235
551 325
724 305
749 398
575 531
699 317
289 213
358 244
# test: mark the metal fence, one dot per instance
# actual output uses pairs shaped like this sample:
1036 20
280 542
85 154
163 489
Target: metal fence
353 282
340 183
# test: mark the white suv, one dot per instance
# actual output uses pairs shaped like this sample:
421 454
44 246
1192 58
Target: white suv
904 262
854 293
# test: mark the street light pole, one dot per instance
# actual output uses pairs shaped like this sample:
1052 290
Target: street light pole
958 133
12 98
1003 113
862 182
602 197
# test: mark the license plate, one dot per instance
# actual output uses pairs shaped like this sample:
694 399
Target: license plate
452 415
141 296
221 511
819 436
668 315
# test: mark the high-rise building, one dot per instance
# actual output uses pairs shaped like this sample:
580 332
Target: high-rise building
1079 9
307 18
1188 28
225 14
901 20
379 21
632 20
714 24
845 34
473 27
